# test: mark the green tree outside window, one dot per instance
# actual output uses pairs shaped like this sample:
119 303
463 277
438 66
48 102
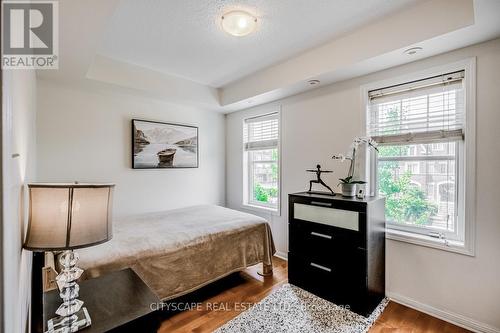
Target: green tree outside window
404 201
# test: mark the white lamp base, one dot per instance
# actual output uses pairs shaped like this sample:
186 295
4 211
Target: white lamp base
72 316
60 324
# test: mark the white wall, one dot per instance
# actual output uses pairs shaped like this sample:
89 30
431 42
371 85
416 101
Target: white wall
19 154
322 122
85 135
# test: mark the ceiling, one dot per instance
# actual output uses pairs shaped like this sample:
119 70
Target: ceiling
184 38
175 50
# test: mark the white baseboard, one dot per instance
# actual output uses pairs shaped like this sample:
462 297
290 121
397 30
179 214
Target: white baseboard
454 318
281 255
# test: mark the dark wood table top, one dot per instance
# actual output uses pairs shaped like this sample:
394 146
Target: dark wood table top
112 300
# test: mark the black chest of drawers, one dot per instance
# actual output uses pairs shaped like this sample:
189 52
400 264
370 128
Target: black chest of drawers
337 248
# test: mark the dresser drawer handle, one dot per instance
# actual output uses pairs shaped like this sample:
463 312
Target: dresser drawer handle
321 235
319 203
321 267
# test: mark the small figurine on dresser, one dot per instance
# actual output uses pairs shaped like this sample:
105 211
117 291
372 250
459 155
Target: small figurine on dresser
318 179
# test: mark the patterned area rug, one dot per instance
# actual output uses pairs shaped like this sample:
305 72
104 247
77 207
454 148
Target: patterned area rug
290 309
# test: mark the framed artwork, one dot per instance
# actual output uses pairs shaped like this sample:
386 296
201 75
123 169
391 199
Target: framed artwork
157 145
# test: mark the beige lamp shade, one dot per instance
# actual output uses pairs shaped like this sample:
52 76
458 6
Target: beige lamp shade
68 216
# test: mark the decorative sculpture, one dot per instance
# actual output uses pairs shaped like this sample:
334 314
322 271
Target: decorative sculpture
318 179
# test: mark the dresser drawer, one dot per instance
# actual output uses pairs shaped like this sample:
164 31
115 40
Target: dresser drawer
334 281
323 213
312 238
313 276
349 266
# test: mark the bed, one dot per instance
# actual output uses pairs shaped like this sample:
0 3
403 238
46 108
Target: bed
178 251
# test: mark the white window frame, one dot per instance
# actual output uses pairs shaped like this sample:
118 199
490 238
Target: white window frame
466 179
248 176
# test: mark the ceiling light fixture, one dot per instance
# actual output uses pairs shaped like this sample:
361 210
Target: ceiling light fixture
238 23
413 51
313 82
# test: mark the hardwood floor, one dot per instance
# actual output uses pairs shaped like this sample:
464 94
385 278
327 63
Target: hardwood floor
218 303
399 318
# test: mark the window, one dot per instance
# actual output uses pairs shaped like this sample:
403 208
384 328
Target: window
430 191
447 192
412 168
437 146
412 150
420 127
261 161
442 167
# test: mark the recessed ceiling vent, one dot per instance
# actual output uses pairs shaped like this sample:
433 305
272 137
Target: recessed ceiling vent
413 51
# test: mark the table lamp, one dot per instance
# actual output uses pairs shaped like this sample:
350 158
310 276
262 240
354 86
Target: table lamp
64 217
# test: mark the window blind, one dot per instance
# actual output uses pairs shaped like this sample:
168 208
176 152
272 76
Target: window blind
261 132
420 111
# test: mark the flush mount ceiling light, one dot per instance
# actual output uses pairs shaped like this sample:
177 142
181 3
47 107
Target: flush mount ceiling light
238 23
413 51
313 82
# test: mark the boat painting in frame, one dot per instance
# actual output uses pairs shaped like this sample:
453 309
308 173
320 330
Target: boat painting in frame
158 145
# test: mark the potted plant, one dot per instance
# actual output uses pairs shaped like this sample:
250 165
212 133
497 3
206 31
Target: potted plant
349 186
347 183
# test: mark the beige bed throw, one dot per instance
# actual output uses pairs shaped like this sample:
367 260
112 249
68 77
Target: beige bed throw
178 251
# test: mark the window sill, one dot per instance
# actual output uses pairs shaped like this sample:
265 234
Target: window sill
428 241
260 209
